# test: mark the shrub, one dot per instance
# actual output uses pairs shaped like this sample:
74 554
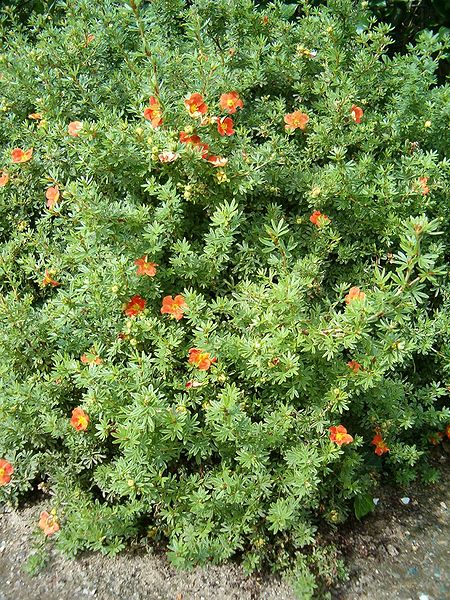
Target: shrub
219 347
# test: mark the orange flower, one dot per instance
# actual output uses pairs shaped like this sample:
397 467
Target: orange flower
20 156
339 435
186 138
230 102
52 195
447 431
296 120
225 126
318 219
6 470
173 306
354 365
153 112
48 523
167 156
423 184
79 420
196 105
48 280
4 178
90 359
380 446
195 141
201 359
144 267
74 128
356 113
354 294
135 306
35 116
436 438
216 161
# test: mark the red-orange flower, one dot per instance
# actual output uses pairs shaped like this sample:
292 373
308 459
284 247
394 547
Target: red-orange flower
201 359
447 431
354 365
187 138
48 280
225 126
436 438
90 359
295 120
153 112
380 446
6 470
318 219
354 294
216 161
173 306
35 116
4 178
423 184
144 267
195 141
339 435
74 128
52 195
20 156
167 156
196 105
80 419
356 113
135 306
230 102
48 523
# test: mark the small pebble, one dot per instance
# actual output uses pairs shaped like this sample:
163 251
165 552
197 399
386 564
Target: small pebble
375 501
443 506
392 550
405 500
423 597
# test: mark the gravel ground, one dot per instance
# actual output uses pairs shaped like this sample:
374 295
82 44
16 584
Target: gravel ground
128 576
400 552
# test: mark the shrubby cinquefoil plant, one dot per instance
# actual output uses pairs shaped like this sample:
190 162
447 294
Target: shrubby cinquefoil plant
224 240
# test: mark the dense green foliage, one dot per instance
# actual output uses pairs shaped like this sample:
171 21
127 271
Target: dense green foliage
241 461
409 16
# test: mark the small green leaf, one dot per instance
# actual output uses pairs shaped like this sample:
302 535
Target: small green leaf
363 505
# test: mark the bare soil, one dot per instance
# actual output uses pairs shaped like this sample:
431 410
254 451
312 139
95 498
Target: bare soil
400 552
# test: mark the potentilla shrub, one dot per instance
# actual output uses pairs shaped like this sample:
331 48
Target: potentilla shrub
225 306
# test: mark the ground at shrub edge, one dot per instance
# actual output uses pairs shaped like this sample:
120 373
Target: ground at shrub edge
401 552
